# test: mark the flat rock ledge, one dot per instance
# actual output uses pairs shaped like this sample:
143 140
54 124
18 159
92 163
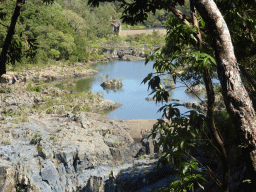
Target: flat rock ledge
50 74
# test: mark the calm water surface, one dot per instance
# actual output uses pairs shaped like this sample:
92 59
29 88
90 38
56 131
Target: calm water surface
132 95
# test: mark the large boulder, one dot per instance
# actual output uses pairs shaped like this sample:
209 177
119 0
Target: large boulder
112 83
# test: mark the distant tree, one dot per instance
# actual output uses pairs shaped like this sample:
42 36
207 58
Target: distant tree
10 33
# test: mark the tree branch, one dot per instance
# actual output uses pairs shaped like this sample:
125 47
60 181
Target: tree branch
177 13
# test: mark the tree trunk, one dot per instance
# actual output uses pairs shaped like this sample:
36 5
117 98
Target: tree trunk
8 38
216 136
236 98
210 107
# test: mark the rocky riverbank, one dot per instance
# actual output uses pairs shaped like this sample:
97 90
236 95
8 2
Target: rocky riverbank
54 139
60 70
51 142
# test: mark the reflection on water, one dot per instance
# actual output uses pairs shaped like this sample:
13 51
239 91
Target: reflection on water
84 84
76 85
114 89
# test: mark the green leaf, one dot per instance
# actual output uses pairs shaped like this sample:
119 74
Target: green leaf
193 160
197 56
196 29
205 61
212 59
193 134
182 145
155 50
185 169
247 181
201 177
147 78
194 167
201 186
202 23
239 15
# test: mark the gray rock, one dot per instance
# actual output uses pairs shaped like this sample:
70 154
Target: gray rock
53 151
50 175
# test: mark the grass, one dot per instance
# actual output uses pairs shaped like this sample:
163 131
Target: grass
35 88
134 27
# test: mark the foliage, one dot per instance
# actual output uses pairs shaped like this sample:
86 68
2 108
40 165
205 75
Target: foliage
58 30
187 180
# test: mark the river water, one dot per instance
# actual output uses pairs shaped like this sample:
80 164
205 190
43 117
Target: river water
132 95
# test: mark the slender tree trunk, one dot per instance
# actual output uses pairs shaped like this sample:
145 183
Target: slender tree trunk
215 133
8 38
211 106
236 98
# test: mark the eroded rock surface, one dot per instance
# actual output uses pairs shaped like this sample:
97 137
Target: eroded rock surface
63 153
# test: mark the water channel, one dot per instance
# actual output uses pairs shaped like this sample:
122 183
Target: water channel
132 95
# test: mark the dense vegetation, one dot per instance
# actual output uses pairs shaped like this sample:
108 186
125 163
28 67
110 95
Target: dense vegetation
61 33
65 30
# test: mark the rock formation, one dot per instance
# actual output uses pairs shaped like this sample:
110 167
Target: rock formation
112 83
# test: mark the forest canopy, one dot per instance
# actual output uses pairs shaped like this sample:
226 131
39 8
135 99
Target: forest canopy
62 30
